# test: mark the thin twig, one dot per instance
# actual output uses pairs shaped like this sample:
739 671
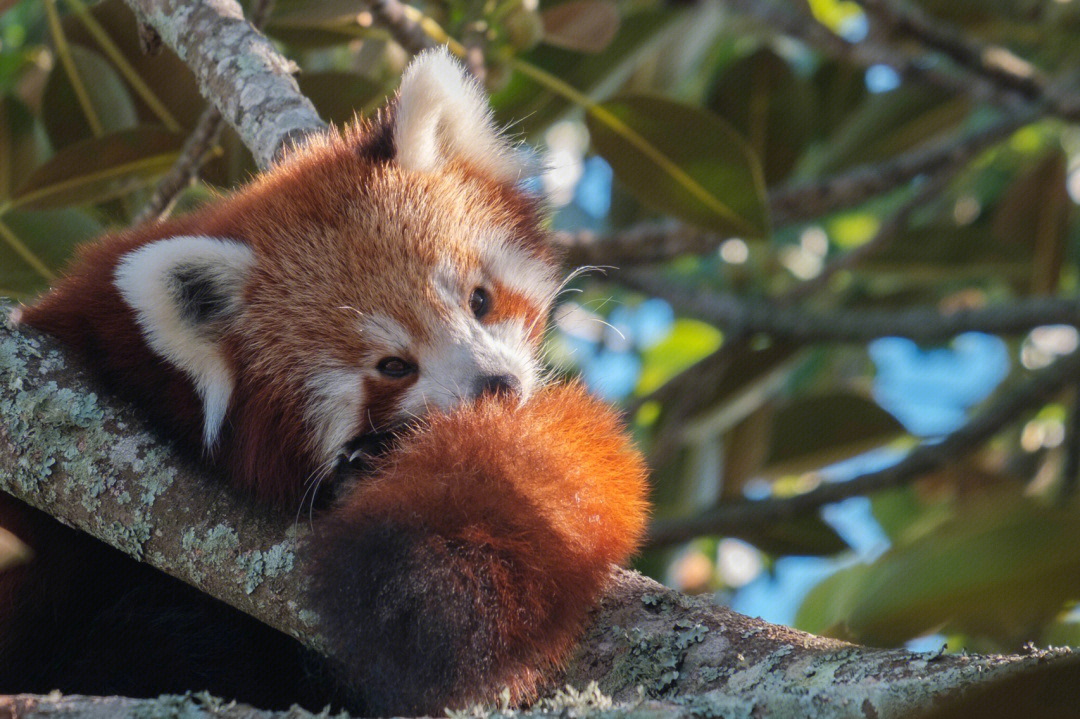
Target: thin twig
195 152
996 64
392 15
798 202
890 229
197 148
734 517
799 23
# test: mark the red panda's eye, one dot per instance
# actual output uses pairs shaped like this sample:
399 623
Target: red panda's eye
480 302
395 367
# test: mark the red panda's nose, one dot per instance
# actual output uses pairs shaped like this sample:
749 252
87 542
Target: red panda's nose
498 384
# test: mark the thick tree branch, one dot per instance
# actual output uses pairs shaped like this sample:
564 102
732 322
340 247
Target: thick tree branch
90 462
238 70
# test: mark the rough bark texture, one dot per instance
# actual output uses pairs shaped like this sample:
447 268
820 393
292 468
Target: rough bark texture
238 70
90 462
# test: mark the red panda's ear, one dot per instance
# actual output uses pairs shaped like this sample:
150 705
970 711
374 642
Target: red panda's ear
443 115
185 291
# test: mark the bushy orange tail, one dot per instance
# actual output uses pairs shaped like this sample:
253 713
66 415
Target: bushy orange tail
469 563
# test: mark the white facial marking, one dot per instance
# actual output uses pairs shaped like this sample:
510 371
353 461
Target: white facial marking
335 399
452 365
148 280
384 334
442 114
520 271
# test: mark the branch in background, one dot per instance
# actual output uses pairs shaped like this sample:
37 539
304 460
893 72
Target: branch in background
238 69
408 33
197 148
797 203
984 78
996 64
195 152
733 517
799 23
683 396
1009 76
90 462
658 242
800 325
889 230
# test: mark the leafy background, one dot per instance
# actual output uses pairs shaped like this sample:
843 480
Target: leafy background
694 114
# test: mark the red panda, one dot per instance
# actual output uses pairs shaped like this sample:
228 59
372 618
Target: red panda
371 309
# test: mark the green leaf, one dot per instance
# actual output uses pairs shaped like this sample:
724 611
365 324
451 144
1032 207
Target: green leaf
763 99
533 106
317 23
816 431
887 124
165 74
51 236
1004 565
1035 212
684 161
22 144
338 96
688 342
582 25
100 168
107 92
807 536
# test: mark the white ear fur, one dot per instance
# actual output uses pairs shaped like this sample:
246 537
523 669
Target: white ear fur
184 290
442 114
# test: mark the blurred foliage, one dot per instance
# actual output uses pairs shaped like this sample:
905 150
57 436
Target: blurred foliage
698 114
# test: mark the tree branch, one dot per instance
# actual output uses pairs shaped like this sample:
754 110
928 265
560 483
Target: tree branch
735 517
238 69
393 16
90 462
193 155
653 242
800 325
996 64
196 149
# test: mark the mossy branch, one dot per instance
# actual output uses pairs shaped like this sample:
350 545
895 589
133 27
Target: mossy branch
90 462
238 70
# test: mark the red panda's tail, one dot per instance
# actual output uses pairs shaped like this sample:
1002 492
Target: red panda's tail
470 562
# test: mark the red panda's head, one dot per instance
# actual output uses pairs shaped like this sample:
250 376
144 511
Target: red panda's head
377 273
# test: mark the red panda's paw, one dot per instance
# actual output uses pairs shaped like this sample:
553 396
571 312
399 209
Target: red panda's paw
469 563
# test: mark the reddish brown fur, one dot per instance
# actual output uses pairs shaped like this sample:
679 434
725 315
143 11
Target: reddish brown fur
326 226
514 516
468 562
